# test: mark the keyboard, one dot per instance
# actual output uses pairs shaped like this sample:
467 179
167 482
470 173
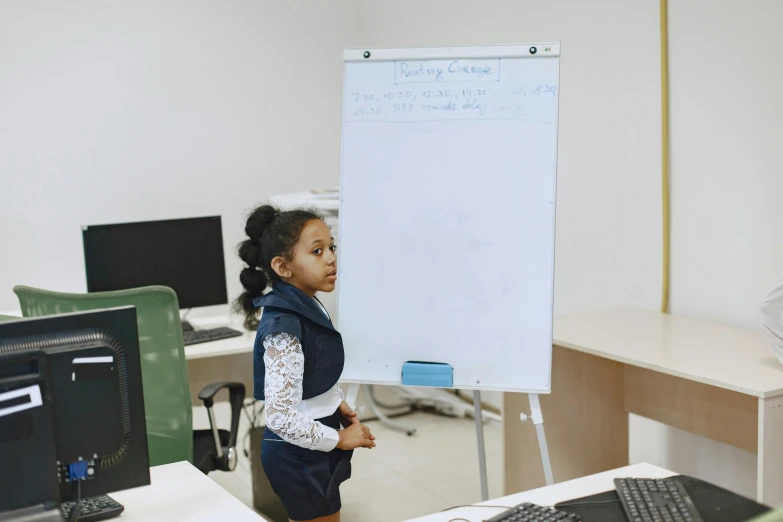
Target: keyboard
646 500
93 509
210 334
530 512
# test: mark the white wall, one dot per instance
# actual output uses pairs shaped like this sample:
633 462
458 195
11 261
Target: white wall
138 110
727 159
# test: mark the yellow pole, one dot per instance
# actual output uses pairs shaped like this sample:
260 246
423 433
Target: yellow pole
665 155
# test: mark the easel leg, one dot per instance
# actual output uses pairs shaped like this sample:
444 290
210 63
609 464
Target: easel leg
481 448
538 420
352 397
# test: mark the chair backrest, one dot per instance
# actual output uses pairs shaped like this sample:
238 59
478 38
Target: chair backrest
7 318
167 403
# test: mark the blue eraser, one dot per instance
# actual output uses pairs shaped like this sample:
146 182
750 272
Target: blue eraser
77 470
417 373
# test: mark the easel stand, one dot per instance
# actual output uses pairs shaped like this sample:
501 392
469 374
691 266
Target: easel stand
536 416
538 419
481 447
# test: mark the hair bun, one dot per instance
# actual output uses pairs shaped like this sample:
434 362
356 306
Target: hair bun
259 220
254 281
250 252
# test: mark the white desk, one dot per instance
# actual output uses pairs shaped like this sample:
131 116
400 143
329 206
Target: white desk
181 492
324 202
232 346
224 360
714 380
552 495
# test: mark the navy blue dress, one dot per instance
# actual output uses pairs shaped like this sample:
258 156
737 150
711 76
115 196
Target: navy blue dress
307 481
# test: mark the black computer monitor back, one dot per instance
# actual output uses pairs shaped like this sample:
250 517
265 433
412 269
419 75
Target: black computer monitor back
27 435
183 254
96 393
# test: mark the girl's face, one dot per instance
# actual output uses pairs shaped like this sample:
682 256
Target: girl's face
314 264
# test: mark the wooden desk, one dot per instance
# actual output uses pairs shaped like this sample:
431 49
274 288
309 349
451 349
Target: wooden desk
179 491
552 495
714 380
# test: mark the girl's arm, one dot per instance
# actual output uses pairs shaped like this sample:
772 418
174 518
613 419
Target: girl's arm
284 361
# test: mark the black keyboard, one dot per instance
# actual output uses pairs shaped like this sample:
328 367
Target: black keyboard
531 513
210 334
93 509
646 500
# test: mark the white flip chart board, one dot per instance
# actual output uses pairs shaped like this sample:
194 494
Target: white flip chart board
447 213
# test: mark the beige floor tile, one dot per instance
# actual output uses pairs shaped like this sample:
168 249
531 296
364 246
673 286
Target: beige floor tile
388 499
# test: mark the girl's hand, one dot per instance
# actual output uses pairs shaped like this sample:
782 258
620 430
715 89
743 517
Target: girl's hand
356 436
349 416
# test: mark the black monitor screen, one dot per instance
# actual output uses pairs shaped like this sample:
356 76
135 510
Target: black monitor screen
183 254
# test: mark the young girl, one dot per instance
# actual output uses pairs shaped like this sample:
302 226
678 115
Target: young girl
298 359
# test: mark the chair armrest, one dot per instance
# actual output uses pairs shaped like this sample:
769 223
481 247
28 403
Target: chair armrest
236 396
207 394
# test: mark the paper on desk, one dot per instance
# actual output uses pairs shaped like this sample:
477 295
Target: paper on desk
330 193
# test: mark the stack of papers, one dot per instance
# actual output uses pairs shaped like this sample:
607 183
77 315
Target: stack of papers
330 193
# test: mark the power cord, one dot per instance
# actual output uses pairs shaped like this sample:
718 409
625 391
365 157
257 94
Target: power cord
558 506
75 513
471 506
475 506
592 503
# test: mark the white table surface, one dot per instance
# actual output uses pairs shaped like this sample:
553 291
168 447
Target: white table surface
736 359
231 346
179 491
323 202
551 495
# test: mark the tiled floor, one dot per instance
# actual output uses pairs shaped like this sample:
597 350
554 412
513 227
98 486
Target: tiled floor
403 477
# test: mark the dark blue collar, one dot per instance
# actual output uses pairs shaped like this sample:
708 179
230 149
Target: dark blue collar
288 297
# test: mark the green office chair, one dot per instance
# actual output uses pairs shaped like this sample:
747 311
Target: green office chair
164 372
7 318
772 516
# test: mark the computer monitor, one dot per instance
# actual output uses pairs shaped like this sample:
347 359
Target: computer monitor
84 369
183 254
27 439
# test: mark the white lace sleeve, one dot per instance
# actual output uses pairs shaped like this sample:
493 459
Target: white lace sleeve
284 362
